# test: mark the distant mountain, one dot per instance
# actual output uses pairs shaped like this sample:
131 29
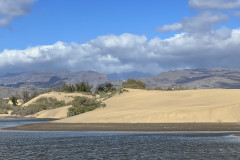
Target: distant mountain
41 80
127 75
48 78
196 78
11 74
192 78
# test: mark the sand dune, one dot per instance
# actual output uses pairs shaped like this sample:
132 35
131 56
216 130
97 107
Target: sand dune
67 97
57 113
142 106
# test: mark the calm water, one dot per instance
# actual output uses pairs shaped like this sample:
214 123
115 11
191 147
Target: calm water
115 145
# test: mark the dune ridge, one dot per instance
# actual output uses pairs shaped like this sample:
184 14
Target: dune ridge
61 96
57 113
151 106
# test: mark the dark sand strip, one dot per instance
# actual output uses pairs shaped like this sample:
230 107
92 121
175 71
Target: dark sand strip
129 127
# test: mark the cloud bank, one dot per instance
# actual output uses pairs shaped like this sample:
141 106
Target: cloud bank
11 9
210 15
128 52
202 42
214 4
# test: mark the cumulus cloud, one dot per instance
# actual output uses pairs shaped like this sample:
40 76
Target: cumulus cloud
214 4
201 43
127 53
202 23
209 18
172 27
11 9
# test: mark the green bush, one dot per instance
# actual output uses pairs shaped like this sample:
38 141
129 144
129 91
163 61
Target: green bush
14 100
105 95
181 88
83 87
82 105
108 87
39 105
132 83
4 107
79 87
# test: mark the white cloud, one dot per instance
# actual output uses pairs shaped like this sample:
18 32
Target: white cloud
172 27
11 9
202 23
214 4
201 43
127 53
211 15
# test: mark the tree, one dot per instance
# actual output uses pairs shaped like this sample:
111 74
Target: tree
64 87
83 87
80 87
71 88
109 87
100 89
14 100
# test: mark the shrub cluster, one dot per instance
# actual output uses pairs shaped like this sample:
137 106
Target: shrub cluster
4 107
25 96
78 87
82 105
171 88
39 105
132 83
108 87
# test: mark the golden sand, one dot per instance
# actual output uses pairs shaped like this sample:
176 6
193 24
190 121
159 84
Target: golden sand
58 112
61 96
142 106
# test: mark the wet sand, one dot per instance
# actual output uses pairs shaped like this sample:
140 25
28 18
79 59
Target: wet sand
129 127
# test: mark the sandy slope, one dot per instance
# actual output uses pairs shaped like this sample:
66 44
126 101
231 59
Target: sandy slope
67 97
57 113
141 106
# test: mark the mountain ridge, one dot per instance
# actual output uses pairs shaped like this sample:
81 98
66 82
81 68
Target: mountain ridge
196 79
203 78
36 81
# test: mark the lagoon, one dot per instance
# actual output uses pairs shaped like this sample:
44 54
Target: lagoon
114 145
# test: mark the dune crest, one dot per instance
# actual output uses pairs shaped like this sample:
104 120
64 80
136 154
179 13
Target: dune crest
57 113
61 96
142 106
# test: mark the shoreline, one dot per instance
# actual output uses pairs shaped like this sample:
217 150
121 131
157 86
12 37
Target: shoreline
150 127
18 117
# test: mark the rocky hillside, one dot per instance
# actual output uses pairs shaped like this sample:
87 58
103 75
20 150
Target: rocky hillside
12 83
196 78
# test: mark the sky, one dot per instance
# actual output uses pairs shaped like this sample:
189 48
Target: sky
146 36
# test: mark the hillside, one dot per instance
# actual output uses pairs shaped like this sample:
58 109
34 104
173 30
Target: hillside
11 84
142 106
196 78
60 112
